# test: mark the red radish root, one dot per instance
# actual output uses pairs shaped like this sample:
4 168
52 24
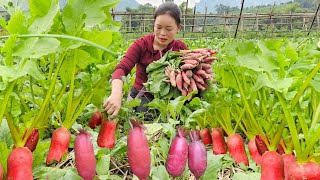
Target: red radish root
20 164
95 120
59 145
236 149
271 166
107 134
254 153
219 146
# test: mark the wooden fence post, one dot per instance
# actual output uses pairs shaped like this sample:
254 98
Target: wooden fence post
205 19
194 17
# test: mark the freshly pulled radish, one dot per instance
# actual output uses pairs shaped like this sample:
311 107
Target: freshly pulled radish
271 166
178 154
84 156
236 149
197 155
20 164
32 140
138 151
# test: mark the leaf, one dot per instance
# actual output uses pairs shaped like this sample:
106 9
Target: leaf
153 128
214 165
17 23
104 38
36 47
8 49
103 165
159 173
43 13
73 16
4 153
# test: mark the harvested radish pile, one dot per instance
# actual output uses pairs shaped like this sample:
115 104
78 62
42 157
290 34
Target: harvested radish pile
180 73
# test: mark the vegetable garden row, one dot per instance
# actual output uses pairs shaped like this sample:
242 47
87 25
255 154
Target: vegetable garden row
249 110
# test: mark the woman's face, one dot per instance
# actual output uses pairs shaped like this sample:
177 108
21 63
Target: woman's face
165 29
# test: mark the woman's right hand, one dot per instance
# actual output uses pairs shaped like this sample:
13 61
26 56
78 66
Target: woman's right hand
113 103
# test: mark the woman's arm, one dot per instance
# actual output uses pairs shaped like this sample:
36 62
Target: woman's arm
113 104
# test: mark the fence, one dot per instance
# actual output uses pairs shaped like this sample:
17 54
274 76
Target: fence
209 25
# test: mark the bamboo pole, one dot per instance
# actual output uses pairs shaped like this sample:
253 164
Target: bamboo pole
314 18
184 19
194 17
235 34
205 19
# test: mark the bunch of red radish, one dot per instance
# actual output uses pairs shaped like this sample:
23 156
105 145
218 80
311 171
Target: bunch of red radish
194 72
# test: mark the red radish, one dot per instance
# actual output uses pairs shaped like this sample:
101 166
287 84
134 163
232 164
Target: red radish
205 136
1 172
178 154
32 140
271 166
95 119
254 153
138 151
197 155
236 149
219 146
59 145
261 145
309 171
288 159
107 134
280 149
84 156
20 164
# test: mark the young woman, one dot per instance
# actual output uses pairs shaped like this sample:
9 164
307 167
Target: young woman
141 53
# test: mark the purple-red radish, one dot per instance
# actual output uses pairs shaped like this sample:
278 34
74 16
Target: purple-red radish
309 171
59 145
95 119
205 136
236 149
20 164
32 140
272 166
197 155
84 156
288 159
178 154
219 145
254 153
107 134
138 151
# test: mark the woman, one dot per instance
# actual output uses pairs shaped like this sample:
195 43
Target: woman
141 53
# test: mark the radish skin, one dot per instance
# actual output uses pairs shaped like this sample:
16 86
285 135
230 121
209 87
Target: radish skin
236 149
84 156
177 155
262 147
272 166
1 172
254 153
197 155
20 164
219 146
309 171
59 145
205 136
107 134
288 159
32 140
138 151
95 119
